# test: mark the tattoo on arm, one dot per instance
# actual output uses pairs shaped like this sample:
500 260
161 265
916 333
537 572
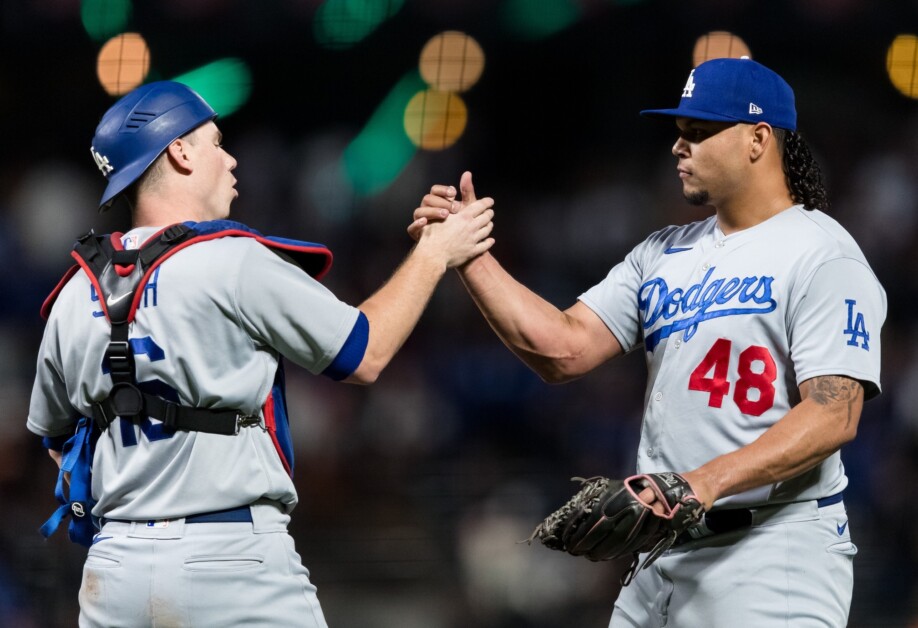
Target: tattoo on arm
833 389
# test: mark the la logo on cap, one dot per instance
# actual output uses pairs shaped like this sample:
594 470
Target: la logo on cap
689 85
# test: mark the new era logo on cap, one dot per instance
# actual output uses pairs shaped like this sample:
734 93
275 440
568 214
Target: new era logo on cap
735 90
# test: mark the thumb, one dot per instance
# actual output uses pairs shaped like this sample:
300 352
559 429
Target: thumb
466 189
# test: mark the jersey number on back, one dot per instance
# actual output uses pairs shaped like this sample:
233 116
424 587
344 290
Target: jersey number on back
756 371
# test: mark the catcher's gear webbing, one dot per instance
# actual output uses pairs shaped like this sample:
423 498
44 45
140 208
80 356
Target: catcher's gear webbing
606 519
119 277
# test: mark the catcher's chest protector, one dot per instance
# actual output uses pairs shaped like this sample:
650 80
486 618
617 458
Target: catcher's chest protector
119 277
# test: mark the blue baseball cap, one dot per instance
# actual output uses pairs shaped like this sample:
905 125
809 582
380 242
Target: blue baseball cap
735 90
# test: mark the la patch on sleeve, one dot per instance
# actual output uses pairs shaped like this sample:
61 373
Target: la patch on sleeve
857 328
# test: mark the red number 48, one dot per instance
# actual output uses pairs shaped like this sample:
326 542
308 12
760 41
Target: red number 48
717 362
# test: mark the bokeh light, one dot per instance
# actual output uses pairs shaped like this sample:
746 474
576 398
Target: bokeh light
719 45
382 149
537 19
339 24
104 19
123 63
434 120
226 84
902 64
451 62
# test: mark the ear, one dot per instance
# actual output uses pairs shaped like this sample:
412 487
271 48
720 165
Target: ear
179 156
762 136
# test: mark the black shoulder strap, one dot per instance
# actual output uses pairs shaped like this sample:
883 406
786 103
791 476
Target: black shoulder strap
117 276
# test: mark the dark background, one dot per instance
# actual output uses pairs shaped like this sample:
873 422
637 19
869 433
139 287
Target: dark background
413 492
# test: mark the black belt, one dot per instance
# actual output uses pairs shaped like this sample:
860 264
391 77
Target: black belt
242 514
732 519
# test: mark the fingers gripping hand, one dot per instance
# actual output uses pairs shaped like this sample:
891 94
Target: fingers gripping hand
463 235
440 203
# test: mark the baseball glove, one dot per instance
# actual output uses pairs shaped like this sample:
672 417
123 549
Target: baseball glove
606 519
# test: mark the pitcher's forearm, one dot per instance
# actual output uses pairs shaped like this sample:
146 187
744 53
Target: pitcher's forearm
551 342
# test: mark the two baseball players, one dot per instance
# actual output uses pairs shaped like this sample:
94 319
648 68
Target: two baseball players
760 327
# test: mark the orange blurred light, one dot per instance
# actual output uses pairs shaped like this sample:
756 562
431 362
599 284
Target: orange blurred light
719 45
123 63
902 64
434 120
451 62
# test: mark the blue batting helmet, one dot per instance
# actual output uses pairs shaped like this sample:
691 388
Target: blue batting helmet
139 127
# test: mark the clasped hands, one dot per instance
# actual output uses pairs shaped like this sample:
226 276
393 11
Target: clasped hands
440 210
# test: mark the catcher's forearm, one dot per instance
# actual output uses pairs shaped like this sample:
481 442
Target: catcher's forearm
817 427
394 310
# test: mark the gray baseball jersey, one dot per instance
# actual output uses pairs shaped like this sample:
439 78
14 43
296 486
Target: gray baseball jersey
732 325
246 306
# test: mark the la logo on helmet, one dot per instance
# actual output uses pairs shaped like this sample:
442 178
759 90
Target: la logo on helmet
101 161
689 85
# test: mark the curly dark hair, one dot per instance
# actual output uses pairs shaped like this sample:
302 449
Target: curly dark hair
804 178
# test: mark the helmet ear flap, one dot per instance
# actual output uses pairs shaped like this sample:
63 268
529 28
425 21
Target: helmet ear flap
139 127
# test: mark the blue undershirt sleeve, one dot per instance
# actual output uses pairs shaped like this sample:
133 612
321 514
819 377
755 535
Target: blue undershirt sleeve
351 354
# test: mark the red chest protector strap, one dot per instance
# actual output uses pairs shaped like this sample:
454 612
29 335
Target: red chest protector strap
120 276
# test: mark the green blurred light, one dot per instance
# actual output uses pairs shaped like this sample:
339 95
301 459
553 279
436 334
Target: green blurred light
339 24
103 19
536 19
225 84
381 150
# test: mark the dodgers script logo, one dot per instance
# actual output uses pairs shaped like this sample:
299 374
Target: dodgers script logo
700 302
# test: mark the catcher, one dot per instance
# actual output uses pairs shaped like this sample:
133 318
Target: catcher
161 371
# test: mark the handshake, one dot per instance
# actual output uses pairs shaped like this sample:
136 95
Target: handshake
459 229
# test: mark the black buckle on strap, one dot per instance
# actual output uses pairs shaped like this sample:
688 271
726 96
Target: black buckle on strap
175 233
120 359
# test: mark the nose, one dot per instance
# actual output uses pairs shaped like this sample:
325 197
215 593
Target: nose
231 164
680 148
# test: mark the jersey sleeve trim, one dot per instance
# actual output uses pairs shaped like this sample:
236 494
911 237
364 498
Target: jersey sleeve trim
872 388
351 354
